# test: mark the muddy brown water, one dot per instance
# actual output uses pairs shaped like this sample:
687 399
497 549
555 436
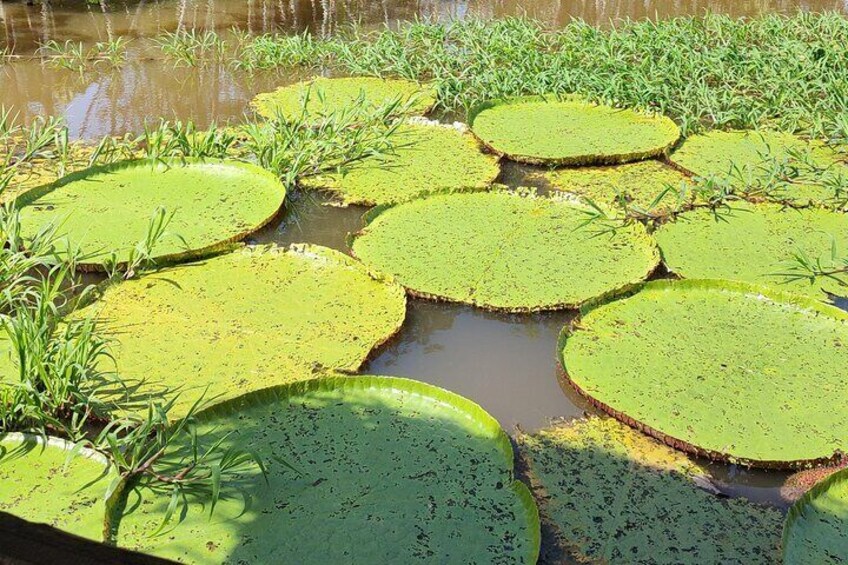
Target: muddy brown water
506 363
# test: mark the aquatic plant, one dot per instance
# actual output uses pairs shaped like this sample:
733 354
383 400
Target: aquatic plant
613 495
74 56
191 48
502 250
387 469
758 243
569 131
426 159
815 531
211 203
725 384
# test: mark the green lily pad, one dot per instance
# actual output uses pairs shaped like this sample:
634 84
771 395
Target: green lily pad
816 530
636 184
570 131
243 321
109 208
386 470
754 243
503 250
324 95
719 368
747 159
428 159
613 495
39 484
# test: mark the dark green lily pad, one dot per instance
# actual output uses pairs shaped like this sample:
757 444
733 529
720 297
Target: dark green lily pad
388 471
243 321
747 159
754 243
325 95
428 159
109 208
816 530
503 251
613 495
39 484
638 185
723 369
570 131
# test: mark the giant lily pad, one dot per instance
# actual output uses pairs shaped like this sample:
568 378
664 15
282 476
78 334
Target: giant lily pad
750 160
386 470
570 131
719 368
754 243
816 530
650 186
503 250
244 321
40 484
613 495
324 95
109 208
428 159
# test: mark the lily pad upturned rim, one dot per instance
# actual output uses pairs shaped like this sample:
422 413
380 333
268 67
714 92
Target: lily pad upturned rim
472 410
373 213
33 194
800 506
687 447
572 161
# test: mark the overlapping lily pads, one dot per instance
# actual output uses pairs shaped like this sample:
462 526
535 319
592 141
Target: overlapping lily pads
243 321
382 470
720 368
750 160
325 95
569 131
428 159
755 243
650 186
613 495
40 484
816 531
108 209
503 250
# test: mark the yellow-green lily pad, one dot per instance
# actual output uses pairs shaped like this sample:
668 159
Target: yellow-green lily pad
816 530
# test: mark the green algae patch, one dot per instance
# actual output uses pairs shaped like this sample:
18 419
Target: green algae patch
108 209
646 185
243 321
502 250
569 131
428 159
325 95
816 529
613 495
718 368
40 484
385 470
754 243
750 160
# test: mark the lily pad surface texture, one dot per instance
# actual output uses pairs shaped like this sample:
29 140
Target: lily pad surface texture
386 470
243 321
748 160
719 368
614 495
755 243
108 209
427 159
570 131
326 95
816 531
503 250
647 185
37 485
